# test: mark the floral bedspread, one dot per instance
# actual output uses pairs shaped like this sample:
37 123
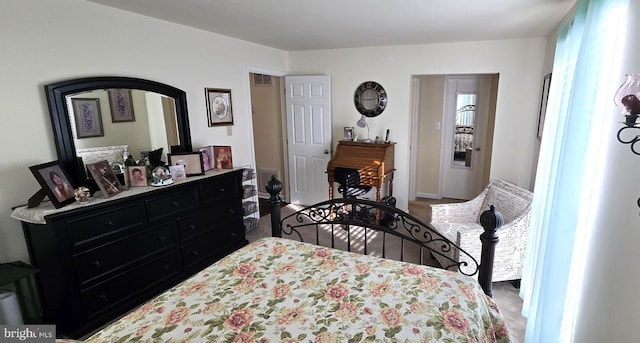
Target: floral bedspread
279 290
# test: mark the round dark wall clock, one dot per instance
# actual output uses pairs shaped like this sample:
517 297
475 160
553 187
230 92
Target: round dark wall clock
370 99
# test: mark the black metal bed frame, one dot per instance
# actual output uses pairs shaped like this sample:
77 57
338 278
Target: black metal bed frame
343 215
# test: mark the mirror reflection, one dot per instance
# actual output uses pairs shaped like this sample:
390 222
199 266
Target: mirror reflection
111 124
463 129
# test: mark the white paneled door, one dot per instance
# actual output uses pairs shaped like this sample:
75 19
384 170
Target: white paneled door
308 111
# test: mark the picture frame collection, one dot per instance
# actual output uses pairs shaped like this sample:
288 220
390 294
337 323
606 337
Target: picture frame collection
87 112
61 190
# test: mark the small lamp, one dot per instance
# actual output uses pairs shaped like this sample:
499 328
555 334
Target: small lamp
628 98
363 123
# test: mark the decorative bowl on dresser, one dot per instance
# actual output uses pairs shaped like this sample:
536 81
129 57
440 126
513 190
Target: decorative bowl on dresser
100 260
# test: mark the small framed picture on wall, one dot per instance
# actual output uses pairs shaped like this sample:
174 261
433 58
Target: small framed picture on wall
219 110
546 84
121 105
87 117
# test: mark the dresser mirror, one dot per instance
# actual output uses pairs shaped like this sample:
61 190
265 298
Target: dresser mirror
115 116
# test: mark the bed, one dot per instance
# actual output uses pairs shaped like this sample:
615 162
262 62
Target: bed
357 286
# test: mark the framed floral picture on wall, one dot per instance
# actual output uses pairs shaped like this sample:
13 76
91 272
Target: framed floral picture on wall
219 110
87 117
121 105
543 103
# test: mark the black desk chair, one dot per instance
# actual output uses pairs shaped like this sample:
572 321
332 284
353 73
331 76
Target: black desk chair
349 180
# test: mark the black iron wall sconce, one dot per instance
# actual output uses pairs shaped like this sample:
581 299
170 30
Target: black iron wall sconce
628 97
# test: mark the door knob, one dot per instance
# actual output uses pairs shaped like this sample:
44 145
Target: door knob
477 148
326 152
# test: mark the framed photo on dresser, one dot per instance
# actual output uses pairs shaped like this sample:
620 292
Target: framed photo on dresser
55 183
223 157
105 178
192 162
137 176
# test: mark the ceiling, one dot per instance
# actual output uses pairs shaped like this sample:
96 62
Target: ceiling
293 25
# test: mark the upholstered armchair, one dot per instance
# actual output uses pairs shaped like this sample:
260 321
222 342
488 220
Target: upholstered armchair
460 222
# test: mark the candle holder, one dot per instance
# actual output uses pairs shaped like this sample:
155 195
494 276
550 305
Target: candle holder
627 97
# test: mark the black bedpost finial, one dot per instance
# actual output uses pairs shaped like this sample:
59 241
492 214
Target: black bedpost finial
274 187
491 220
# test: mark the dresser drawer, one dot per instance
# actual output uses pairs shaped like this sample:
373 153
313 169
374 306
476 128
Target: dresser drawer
121 253
171 203
128 285
219 188
204 220
90 228
213 243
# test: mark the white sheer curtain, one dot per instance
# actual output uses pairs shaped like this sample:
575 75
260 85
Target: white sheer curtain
583 82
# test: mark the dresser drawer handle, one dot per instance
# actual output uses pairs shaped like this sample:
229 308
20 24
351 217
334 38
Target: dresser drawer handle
232 234
108 223
103 298
162 239
221 189
165 267
191 227
195 253
174 203
96 264
231 211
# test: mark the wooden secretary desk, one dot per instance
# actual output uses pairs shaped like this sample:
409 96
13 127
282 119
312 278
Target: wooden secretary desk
374 161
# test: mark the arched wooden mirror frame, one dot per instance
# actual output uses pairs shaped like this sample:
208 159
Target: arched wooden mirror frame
56 98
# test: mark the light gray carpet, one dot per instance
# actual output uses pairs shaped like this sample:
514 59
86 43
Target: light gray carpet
504 293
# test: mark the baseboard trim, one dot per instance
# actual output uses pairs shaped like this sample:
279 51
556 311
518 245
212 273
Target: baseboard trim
428 195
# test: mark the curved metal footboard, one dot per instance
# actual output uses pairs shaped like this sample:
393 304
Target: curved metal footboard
352 225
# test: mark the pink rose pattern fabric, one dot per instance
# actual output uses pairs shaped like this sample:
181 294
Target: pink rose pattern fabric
279 290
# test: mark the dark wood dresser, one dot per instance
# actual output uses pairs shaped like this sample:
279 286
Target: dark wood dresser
99 260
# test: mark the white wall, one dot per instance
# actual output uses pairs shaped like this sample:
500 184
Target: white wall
519 64
45 42
49 41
